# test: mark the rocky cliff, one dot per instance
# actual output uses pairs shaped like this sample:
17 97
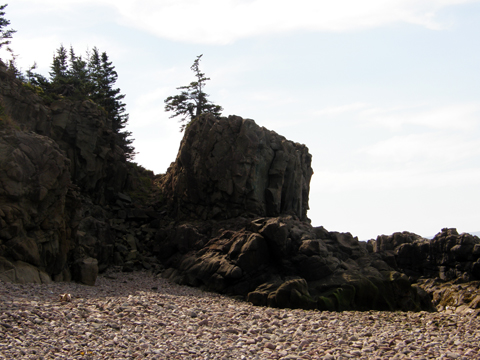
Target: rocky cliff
250 188
62 211
232 167
230 215
447 266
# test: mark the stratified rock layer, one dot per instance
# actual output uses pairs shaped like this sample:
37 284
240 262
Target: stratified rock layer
232 167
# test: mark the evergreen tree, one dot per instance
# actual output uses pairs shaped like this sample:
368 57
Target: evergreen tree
59 77
104 77
192 101
13 68
37 79
93 78
78 75
5 35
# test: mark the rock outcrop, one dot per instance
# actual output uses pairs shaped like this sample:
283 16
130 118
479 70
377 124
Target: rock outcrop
80 128
232 167
233 219
448 256
63 213
249 187
284 262
34 180
447 266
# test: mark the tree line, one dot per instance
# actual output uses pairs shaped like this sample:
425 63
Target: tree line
93 77
76 77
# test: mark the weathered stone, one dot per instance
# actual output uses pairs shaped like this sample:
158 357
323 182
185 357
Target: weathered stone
85 271
24 249
230 167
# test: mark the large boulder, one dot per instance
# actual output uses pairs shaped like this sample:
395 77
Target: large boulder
231 167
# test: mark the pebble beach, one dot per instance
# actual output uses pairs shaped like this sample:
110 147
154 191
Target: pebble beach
142 316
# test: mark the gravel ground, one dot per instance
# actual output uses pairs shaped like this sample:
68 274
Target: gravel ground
137 315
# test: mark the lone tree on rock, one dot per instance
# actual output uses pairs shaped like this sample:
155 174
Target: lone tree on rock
192 101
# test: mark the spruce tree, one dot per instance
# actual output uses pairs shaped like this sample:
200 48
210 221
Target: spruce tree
5 35
59 77
78 75
192 101
104 77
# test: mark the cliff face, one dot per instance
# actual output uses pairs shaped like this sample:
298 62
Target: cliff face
34 180
250 187
232 167
62 212
80 129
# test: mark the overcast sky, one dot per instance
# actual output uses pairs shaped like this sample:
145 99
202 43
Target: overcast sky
385 94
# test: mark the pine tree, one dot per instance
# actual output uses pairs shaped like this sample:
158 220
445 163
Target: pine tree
78 75
192 101
59 77
93 78
5 35
104 77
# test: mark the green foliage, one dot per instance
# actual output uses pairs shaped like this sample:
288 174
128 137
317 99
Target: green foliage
5 35
192 101
79 78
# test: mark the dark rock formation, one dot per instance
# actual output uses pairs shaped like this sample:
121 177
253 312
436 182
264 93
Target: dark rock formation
235 219
447 267
283 262
63 214
34 180
80 128
264 249
448 256
232 167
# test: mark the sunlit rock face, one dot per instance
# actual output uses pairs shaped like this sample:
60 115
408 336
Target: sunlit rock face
232 167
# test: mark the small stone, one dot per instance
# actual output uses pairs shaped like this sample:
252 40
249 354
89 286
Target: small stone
270 346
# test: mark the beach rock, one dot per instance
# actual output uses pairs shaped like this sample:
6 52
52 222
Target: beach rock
279 262
448 256
85 271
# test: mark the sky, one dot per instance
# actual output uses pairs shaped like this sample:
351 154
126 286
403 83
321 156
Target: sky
385 94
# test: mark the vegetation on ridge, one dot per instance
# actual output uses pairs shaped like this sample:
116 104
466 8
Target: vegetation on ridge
74 77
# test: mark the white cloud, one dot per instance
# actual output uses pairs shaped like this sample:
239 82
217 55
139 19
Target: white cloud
225 21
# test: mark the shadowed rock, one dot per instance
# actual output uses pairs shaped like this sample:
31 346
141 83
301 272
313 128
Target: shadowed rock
232 167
